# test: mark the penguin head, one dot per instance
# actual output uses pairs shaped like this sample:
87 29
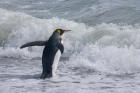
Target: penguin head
61 31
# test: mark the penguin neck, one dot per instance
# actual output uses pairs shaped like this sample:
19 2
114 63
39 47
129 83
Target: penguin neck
61 38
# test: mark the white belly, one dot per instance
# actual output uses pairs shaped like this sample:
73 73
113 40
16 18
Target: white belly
55 63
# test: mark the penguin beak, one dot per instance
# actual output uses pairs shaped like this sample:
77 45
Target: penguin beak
66 30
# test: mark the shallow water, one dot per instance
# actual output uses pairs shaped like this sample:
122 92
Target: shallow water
22 76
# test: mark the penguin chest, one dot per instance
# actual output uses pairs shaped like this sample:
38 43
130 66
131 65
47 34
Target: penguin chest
55 62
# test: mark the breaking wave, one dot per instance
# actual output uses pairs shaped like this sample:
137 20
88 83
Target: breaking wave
105 47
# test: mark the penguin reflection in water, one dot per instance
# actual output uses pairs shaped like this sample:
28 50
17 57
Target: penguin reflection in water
51 53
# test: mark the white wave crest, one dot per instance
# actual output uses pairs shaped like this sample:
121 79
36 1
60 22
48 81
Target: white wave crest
108 59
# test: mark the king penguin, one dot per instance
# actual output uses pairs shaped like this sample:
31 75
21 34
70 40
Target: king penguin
51 52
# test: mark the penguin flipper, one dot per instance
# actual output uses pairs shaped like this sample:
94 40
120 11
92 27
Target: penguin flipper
35 43
61 47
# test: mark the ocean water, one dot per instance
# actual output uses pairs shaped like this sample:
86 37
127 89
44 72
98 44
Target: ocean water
102 53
